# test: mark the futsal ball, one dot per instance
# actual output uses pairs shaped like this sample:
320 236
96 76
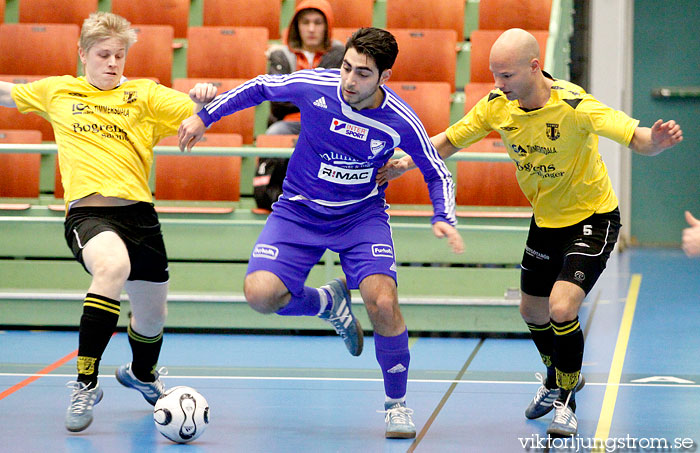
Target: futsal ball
181 414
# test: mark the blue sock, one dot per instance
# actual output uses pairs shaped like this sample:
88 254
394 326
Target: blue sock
393 357
308 304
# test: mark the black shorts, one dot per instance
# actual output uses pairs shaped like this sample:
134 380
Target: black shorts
137 225
576 254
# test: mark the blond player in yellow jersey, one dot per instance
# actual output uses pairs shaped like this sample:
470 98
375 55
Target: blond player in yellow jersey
105 128
550 129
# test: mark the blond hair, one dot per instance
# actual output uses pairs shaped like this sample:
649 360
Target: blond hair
101 25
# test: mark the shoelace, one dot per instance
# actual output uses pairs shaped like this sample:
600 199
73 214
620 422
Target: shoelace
399 414
561 415
543 391
80 397
338 324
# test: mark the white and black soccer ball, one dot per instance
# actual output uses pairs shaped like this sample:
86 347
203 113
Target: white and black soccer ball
181 414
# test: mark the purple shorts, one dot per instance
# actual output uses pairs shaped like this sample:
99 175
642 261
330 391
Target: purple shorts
295 238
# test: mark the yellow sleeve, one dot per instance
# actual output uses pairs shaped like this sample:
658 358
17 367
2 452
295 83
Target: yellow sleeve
472 127
32 97
169 108
597 118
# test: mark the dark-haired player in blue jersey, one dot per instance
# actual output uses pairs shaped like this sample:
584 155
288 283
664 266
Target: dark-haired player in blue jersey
351 123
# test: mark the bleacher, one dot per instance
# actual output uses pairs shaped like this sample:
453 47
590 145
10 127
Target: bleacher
209 228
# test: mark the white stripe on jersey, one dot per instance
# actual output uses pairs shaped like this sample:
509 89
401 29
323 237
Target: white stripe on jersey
275 80
336 203
429 150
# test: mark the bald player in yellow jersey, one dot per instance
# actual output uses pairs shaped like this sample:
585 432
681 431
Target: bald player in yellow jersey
105 128
550 128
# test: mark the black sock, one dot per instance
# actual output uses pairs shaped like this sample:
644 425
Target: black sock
568 352
97 324
543 337
145 352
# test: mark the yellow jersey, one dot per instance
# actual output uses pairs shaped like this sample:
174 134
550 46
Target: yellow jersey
105 138
554 148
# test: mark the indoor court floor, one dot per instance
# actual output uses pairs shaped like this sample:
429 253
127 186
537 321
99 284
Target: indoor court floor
287 393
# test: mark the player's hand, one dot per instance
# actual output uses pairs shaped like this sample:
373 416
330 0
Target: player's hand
665 135
391 170
691 236
454 239
203 93
190 132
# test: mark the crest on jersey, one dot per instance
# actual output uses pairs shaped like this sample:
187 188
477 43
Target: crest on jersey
376 146
552 131
130 96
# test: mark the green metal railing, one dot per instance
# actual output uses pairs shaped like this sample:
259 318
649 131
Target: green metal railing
250 151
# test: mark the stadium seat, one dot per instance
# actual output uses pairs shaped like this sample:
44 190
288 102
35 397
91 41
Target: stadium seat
430 101
39 49
221 52
488 183
242 122
473 92
525 14
276 141
20 172
244 13
56 12
190 177
482 41
152 54
10 118
413 64
175 13
418 14
351 13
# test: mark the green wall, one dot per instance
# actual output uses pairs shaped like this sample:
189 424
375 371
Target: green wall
666 53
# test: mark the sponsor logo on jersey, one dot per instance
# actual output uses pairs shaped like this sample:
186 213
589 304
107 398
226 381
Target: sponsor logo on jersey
349 130
321 103
347 176
382 250
265 251
509 128
130 96
553 131
82 109
78 95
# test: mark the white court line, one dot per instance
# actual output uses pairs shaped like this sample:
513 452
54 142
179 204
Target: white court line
311 378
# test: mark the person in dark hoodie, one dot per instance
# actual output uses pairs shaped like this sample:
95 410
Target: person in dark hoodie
307 44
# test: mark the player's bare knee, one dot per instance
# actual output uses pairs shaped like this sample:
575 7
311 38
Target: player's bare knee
259 298
562 311
109 269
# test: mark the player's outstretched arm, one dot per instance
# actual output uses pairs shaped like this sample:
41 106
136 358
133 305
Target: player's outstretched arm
454 239
6 94
397 167
190 132
654 140
691 236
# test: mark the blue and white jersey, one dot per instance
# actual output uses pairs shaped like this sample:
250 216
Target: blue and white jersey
339 150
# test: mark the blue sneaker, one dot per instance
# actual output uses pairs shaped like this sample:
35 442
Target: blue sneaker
340 316
564 423
82 401
399 423
544 399
151 391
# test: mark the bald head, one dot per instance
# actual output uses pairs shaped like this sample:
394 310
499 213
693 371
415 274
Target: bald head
515 45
